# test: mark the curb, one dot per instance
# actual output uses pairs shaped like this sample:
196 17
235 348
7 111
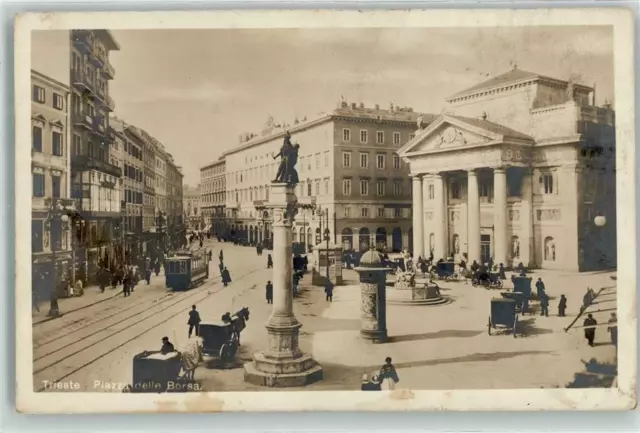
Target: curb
48 319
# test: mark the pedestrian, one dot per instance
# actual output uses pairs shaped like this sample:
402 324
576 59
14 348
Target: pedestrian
562 306
210 254
540 287
221 256
613 329
388 376
269 261
269 292
590 330
501 273
201 243
221 266
157 267
226 277
125 286
147 275
258 249
194 321
544 304
328 290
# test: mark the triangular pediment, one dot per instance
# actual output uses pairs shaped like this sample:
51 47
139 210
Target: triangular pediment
39 118
456 132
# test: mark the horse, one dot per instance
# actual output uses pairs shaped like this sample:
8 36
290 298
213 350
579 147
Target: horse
190 358
237 321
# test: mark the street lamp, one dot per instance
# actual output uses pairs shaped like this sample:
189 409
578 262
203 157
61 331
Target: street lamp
600 220
56 210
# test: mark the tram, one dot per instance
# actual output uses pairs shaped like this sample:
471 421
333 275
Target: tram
187 269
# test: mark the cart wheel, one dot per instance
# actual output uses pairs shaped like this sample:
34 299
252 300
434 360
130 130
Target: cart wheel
233 349
515 326
489 326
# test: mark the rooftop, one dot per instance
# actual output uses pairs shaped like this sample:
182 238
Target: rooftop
508 78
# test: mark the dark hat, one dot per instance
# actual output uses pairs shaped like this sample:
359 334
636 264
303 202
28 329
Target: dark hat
165 338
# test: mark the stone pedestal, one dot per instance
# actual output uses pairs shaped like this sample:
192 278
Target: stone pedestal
282 364
373 311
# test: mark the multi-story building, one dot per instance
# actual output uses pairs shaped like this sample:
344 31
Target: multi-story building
94 179
131 145
213 186
352 183
192 208
176 229
520 169
149 197
161 190
51 241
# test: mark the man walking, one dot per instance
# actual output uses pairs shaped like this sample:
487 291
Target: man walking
328 290
562 306
544 304
269 292
269 261
194 321
590 330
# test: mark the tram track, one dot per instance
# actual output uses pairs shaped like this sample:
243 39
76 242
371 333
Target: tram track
197 296
165 296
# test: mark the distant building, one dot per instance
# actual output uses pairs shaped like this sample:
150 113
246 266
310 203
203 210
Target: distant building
51 239
192 208
176 228
213 196
347 165
516 170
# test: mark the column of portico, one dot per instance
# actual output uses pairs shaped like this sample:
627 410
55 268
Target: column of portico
426 224
526 220
439 217
501 243
418 216
473 217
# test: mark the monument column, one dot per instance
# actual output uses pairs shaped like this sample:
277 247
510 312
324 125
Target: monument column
418 217
439 218
473 217
500 215
282 364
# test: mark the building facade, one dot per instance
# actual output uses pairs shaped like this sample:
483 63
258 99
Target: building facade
516 170
175 201
213 186
352 186
149 195
95 181
52 241
192 208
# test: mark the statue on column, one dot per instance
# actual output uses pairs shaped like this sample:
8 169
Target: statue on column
288 159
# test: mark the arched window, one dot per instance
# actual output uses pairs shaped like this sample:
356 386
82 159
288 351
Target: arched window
549 249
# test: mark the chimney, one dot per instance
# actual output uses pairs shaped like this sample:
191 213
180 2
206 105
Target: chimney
353 105
296 121
377 106
391 107
361 105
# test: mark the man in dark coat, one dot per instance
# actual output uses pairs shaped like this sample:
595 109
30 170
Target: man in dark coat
540 287
147 275
328 290
194 321
167 347
226 277
501 273
221 256
269 261
544 304
269 292
562 306
474 265
590 333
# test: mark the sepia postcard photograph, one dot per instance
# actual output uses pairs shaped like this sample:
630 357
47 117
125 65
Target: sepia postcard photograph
281 210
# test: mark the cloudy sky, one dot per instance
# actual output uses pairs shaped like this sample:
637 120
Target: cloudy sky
198 90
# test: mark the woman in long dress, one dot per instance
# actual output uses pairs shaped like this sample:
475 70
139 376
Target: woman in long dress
388 376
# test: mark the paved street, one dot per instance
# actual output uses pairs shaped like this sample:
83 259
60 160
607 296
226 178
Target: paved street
440 347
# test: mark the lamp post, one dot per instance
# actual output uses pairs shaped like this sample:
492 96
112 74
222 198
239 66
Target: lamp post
56 211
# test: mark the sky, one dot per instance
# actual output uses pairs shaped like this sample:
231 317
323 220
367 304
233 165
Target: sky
197 91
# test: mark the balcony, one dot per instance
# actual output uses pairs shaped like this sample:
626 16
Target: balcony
110 104
100 96
86 162
82 41
108 70
81 81
83 121
98 128
97 57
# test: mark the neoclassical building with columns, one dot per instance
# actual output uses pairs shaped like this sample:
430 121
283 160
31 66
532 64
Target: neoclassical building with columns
520 169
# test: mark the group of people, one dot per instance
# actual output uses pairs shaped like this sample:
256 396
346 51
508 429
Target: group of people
384 379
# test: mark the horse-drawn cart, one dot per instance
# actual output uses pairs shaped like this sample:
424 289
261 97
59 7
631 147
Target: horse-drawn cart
489 280
155 372
219 339
446 271
503 315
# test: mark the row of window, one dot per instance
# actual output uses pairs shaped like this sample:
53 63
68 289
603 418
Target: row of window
381 212
40 96
134 197
133 150
133 173
210 172
381 160
57 141
380 136
39 186
381 186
